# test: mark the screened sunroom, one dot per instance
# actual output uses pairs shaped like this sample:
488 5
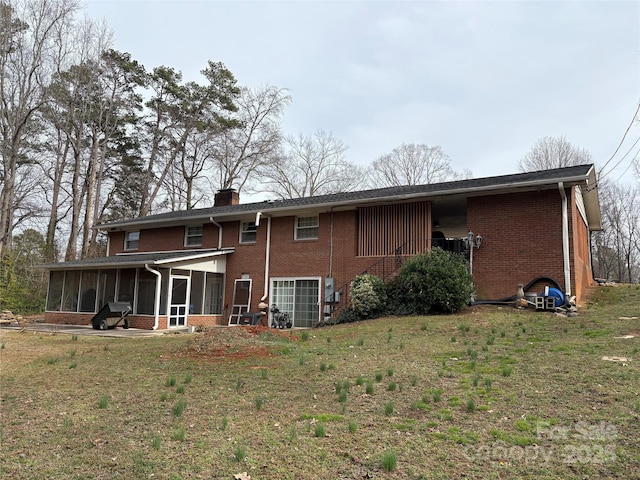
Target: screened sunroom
163 289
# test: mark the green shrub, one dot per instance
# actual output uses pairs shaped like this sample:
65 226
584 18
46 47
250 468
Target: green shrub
435 282
347 315
368 295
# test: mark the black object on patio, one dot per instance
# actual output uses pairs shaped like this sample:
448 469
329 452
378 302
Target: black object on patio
110 315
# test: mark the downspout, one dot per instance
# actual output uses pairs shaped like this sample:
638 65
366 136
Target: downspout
331 245
219 232
565 241
156 307
266 260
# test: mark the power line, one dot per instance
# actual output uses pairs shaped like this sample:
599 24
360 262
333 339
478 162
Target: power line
602 175
630 163
621 141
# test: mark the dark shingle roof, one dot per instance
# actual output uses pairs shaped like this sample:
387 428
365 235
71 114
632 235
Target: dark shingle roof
578 174
136 259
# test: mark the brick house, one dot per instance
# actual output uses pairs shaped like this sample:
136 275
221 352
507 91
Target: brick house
209 266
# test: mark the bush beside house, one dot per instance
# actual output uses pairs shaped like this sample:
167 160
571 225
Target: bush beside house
432 283
435 282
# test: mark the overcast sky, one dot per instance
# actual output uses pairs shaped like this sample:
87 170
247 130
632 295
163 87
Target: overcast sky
483 80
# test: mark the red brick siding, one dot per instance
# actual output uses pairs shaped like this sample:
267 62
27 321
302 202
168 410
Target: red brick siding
581 274
522 239
67 318
135 321
522 235
294 258
168 238
116 242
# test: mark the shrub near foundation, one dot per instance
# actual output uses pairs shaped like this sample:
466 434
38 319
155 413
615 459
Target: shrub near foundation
368 296
435 282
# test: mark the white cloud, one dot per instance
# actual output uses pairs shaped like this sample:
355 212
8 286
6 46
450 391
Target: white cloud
484 80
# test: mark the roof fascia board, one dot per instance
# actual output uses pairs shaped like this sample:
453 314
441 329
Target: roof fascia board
484 189
190 258
133 263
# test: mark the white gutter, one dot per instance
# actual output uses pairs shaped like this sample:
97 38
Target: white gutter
331 245
565 240
266 260
219 231
531 184
156 307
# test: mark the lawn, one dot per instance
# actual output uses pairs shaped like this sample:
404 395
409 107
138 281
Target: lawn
490 393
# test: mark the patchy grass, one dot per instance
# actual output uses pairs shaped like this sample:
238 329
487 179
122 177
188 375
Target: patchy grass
195 406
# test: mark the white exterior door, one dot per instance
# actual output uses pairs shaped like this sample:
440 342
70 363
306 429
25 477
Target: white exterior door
178 301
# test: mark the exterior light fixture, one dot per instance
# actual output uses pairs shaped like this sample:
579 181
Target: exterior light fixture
471 244
468 240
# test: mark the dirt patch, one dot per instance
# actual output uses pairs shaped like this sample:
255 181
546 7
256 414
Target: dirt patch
236 343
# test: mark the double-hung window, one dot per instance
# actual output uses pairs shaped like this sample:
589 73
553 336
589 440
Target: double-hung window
131 240
307 228
193 236
248 232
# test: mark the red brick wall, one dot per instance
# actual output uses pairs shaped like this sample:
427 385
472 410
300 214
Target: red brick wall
522 239
168 238
116 242
581 274
66 318
293 258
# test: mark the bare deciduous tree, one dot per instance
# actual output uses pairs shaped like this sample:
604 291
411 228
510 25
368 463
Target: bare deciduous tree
553 152
617 252
311 165
239 152
29 47
414 164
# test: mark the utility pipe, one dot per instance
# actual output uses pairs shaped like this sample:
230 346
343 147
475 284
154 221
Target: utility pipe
219 231
156 307
565 241
331 245
266 260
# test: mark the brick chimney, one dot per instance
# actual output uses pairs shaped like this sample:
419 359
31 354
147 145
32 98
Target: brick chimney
226 197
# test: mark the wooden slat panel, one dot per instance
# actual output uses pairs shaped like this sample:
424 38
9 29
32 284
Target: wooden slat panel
382 229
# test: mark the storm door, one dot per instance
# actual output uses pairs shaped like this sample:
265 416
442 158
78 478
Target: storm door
178 307
241 300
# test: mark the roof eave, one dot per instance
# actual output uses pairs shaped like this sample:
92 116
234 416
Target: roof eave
269 208
80 265
592 201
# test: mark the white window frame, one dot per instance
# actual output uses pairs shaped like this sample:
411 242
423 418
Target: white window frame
284 308
128 242
190 235
299 229
248 228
